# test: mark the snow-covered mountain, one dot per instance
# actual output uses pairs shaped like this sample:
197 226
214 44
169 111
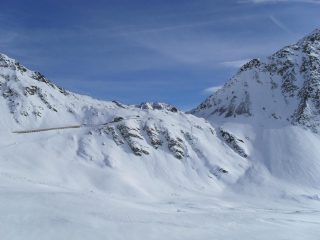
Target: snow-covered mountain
284 87
133 147
274 103
260 128
79 168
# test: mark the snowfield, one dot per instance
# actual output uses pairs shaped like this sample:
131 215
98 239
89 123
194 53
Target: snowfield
31 210
245 164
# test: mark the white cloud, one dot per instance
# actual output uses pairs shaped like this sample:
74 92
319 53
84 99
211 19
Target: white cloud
235 64
211 90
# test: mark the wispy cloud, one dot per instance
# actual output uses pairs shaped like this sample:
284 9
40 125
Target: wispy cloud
279 24
211 90
142 29
205 51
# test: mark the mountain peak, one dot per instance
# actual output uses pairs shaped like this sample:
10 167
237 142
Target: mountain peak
5 61
4 56
285 87
28 94
313 37
157 106
315 32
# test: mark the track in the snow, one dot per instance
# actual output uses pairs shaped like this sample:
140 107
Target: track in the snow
46 129
69 127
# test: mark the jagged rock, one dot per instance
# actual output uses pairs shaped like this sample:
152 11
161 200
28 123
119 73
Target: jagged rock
119 104
222 170
176 146
32 90
251 64
285 85
5 62
21 68
44 99
154 135
7 93
118 119
157 106
115 136
41 78
233 142
130 135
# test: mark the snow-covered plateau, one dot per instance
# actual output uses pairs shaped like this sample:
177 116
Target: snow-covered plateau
244 164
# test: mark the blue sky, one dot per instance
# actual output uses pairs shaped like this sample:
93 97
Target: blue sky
132 51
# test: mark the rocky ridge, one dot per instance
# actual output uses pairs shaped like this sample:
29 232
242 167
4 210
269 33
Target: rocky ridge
283 87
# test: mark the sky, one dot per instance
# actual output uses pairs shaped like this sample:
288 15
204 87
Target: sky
132 51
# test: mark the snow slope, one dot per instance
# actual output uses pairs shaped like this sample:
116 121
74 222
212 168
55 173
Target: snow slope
274 105
145 150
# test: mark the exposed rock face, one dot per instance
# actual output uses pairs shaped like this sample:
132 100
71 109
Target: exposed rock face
139 139
157 106
176 146
17 84
283 87
132 136
233 142
154 134
112 131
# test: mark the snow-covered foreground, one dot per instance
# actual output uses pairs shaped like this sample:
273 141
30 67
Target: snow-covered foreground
38 211
46 192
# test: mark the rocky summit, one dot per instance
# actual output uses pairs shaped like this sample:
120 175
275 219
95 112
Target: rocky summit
283 87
